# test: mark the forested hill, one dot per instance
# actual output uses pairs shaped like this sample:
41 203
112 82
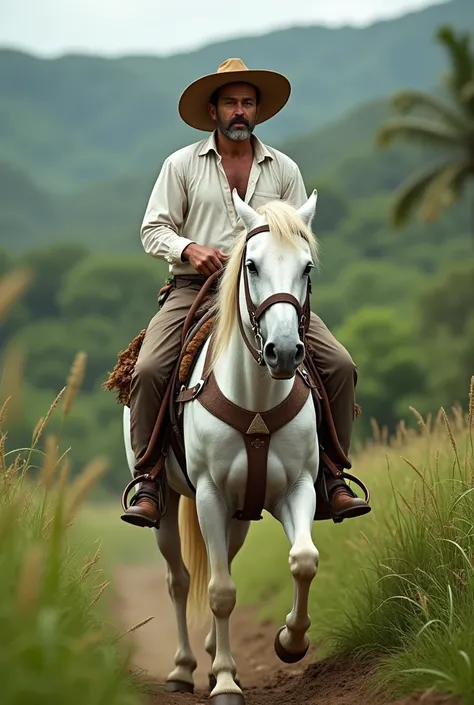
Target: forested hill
340 160
80 119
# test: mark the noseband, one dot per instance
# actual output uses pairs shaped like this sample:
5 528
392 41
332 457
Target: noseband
256 312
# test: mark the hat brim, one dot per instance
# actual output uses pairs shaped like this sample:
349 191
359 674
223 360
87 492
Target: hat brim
193 105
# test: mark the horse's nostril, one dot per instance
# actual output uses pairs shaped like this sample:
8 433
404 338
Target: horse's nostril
299 353
270 353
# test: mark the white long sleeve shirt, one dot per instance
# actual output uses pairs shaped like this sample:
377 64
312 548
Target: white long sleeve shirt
191 200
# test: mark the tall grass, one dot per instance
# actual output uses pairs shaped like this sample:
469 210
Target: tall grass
56 647
417 607
398 584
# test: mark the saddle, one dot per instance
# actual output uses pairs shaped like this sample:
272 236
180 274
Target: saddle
256 428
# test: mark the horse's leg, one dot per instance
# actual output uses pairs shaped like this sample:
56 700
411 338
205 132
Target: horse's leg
296 513
168 540
237 533
214 520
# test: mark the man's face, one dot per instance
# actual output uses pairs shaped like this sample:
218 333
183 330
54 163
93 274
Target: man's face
236 111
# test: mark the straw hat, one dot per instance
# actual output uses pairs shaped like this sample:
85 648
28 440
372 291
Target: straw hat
274 92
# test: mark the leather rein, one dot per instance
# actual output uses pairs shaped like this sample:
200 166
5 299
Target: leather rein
256 312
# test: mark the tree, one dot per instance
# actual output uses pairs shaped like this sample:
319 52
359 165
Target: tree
390 370
51 266
448 125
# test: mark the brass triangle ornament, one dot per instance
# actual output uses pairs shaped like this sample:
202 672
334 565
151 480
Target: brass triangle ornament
258 425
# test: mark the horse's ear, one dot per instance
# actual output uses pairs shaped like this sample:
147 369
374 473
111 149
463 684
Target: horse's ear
308 209
250 217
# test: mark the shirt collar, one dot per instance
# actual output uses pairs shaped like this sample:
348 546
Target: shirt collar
261 151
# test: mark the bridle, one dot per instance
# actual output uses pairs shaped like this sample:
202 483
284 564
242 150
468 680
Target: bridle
256 312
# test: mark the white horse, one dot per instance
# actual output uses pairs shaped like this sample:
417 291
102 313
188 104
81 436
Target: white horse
276 261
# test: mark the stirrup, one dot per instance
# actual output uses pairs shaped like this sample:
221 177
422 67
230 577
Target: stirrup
129 487
358 482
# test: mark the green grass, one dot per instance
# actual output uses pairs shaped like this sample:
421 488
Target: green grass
57 645
397 585
120 542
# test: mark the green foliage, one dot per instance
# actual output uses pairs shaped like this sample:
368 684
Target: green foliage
83 119
449 126
56 645
390 368
112 286
51 265
416 607
94 288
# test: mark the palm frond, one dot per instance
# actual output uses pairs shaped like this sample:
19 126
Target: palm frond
467 92
411 192
405 101
444 189
457 45
419 129
461 58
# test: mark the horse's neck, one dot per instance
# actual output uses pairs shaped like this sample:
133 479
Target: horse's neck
244 382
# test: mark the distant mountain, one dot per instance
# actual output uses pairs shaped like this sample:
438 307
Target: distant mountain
79 120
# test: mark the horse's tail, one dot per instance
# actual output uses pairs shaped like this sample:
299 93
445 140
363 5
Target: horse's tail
195 558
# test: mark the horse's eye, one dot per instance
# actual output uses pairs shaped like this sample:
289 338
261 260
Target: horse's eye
307 269
251 267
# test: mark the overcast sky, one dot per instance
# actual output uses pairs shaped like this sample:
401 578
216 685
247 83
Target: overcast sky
114 27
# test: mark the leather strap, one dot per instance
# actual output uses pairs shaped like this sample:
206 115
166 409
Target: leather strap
282 298
342 458
256 429
255 313
167 396
198 301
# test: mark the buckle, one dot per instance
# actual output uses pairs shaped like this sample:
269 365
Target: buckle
198 388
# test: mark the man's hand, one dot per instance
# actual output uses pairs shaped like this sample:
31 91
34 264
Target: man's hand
205 260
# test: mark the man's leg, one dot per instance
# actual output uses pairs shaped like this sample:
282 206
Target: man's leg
339 375
156 360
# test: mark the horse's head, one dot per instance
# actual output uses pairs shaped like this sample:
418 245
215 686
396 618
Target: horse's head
276 263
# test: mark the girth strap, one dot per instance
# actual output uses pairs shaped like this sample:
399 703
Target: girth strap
256 429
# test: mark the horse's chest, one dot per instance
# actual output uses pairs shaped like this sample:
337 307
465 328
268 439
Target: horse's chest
238 175
227 460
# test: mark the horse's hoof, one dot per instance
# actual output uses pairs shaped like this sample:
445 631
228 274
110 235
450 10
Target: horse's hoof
227 699
283 654
179 687
213 682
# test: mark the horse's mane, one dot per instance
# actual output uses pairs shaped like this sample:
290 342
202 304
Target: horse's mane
286 227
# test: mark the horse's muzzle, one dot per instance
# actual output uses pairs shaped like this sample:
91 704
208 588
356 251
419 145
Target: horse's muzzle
283 360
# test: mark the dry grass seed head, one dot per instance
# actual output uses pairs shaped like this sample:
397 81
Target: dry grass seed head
82 484
12 378
48 416
74 381
375 430
88 564
29 583
134 628
419 419
471 404
50 461
12 286
101 589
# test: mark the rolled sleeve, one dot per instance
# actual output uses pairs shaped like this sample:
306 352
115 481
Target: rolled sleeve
295 191
164 216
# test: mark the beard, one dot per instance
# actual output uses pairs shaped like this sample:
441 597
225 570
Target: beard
237 134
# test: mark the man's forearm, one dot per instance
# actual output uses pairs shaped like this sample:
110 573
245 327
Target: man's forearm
163 243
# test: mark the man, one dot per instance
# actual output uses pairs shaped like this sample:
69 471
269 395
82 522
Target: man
191 221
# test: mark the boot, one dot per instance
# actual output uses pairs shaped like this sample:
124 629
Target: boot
344 503
148 505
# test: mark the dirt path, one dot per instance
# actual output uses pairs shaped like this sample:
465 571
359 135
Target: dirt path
141 592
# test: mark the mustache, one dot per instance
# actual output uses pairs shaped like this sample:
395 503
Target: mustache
241 120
